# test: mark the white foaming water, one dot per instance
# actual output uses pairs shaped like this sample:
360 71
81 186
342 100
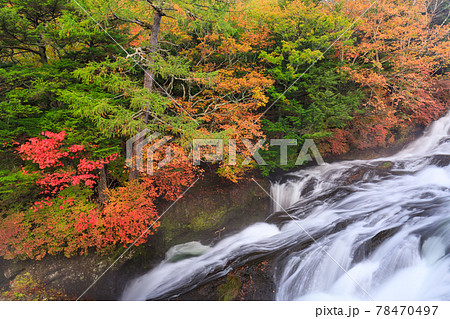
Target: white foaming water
354 230
191 271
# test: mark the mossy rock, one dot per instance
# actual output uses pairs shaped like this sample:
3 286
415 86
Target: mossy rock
208 220
230 288
385 165
211 211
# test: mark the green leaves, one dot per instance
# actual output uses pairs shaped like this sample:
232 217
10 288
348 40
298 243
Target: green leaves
172 66
312 96
16 179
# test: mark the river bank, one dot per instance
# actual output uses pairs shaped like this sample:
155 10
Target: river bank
208 212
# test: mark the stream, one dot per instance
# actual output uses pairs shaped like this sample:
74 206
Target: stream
354 230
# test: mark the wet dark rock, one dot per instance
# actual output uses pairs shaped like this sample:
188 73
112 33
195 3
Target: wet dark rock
69 275
364 251
250 282
440 160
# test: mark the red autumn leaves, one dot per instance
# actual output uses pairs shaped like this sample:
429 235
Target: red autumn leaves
67 221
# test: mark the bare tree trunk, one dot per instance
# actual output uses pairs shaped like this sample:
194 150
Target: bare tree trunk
134 173
148 82
102 186
148 77
43 54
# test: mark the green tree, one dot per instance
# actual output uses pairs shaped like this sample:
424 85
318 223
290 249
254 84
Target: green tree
311 96
42 44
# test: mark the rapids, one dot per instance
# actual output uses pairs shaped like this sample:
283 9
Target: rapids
353 230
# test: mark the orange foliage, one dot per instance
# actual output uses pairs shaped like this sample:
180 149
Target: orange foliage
12 232
137 36
395 58
227 101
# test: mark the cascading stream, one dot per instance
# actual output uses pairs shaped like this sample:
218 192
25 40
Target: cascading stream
354 230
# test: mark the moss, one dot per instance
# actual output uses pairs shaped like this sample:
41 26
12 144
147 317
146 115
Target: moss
207 220
170 228
230 288
197 219
25 288
209 212
386 165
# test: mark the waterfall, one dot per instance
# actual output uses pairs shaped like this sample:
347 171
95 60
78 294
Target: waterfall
373 230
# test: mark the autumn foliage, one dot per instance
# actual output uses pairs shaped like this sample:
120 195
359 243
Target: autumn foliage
349 74
49 153
66 221
396 59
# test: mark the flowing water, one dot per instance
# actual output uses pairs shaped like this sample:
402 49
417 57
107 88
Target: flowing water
354 230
